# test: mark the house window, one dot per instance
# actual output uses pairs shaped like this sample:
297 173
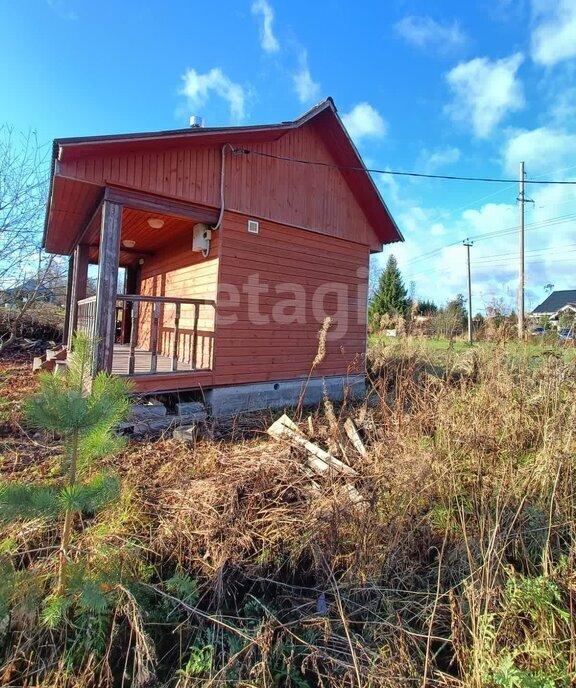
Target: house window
253 226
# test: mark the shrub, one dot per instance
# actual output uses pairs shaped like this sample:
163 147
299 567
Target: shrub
44 321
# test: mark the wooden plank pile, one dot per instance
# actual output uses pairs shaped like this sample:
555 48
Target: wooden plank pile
318 460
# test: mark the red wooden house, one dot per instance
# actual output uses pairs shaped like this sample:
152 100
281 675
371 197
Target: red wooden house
236 243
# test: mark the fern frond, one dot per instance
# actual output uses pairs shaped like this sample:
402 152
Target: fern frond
93 597
54 610
182 586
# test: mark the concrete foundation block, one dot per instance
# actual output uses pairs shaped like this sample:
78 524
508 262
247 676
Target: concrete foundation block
186 433
151 409
226 402
153 425
190 408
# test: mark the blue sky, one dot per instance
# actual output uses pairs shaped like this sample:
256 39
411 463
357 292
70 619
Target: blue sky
437 86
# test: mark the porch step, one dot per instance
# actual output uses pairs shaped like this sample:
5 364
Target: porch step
54 359
60 366
58 353
40 363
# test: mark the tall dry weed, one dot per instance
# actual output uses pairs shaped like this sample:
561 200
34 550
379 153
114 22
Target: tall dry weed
457 569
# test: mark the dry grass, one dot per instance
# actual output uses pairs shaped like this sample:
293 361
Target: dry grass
457 570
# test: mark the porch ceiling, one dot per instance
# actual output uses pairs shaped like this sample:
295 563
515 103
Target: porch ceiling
72 204
135 227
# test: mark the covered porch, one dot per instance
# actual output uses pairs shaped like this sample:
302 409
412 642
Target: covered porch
157 324
155 335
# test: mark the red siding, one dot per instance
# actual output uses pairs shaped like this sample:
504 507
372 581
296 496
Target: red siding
239 349
308 196
177 271
246 351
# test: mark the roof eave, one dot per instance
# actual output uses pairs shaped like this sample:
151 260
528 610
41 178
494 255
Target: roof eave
50 190
372 182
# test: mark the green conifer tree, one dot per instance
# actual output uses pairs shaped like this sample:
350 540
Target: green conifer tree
390 296
84 413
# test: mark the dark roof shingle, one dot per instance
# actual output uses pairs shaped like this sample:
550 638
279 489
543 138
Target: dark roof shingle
556 300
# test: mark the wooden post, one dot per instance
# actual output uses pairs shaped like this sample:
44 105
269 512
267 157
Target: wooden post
78 287
195 335
176 336
130 286
107 289
67 315
133 338
154 343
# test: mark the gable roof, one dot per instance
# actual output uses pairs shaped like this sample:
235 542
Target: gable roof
556 300
330 129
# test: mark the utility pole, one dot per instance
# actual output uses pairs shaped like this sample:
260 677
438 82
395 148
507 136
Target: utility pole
469 243
522 201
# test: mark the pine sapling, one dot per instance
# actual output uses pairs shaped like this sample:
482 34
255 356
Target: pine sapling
85 415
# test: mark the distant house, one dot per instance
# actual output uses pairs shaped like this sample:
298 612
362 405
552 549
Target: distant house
555 302
30 289
568 310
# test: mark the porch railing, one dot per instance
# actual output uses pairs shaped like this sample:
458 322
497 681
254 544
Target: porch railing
156 335
86 316
163 335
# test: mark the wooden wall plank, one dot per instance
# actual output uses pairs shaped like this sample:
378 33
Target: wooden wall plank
309 196
248 352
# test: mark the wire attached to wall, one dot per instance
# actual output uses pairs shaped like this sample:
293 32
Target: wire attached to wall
206 252
449 177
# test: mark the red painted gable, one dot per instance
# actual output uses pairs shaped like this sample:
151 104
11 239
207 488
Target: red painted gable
336 197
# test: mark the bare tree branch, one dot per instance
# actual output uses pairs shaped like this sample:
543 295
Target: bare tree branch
27 274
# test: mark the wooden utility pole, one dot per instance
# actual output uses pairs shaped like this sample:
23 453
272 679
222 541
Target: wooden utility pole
469 243
522 201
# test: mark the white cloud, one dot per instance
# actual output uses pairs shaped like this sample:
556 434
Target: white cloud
61 9
269 41
198 88
544 150
433 255
364 121
554 31
424 32
304 85
431 160
563 105
485 92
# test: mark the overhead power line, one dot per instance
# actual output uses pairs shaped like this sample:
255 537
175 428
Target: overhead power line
505 231
450 177
548 250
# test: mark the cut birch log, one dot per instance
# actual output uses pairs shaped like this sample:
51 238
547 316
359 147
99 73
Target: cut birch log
352 432
321 461
286 429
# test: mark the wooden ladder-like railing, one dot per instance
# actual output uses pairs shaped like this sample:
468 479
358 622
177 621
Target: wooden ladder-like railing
158 303
146 330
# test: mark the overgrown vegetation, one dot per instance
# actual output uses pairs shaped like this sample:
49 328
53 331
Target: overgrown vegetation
228 564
